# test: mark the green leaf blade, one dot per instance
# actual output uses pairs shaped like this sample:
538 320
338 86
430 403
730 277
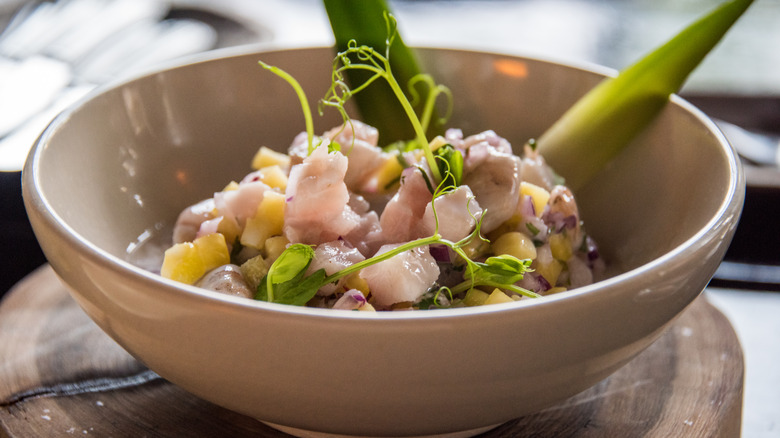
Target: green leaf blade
300 292
285 283
607 118
291 263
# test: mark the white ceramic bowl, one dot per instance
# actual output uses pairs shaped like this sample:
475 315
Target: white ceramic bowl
125 161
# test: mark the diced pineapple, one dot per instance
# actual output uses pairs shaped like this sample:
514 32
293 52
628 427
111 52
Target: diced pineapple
267 221
560 245
367 307
498 297
274 247
232 185
515 244
267 157
357 282
187 262
549 269
437 142
475 297
508 226
539 196
474 249
229 228
182 263
274 177
385 174
555 290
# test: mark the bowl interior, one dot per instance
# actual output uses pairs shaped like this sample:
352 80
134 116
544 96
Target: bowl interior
129 159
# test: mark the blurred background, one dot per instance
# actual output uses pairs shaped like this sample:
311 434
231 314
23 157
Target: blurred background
52 53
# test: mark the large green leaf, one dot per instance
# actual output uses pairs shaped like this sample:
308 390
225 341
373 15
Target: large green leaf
606 119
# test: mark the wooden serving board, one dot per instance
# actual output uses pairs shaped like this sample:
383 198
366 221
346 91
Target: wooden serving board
60 375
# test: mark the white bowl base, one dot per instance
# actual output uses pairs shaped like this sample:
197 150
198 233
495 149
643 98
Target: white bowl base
302 433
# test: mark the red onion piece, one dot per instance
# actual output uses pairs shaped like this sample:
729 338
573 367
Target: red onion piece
351 300
440 253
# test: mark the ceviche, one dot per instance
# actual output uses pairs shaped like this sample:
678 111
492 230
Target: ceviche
340 221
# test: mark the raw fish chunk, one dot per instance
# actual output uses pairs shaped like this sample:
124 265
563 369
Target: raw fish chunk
401 278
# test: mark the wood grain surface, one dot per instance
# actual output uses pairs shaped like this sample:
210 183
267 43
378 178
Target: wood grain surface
60 375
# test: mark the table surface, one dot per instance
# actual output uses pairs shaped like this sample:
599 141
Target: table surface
754 315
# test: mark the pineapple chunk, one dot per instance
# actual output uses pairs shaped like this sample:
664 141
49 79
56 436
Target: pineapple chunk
274 176
232 185
367 308
229 228
187 262
560 247
437 142
385 174
267 157
474 249
539 196
274 247
475 297
515 244
549 269
357 282
498 297
508 226
267 221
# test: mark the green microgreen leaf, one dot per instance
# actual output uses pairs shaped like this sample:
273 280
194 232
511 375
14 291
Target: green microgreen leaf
285 282
294 260
501 269
450 163
296 292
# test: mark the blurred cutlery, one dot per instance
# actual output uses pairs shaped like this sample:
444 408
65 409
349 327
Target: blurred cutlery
39 52
145 44
28 87
759 149
54 53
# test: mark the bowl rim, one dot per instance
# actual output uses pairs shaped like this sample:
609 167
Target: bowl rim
731 205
